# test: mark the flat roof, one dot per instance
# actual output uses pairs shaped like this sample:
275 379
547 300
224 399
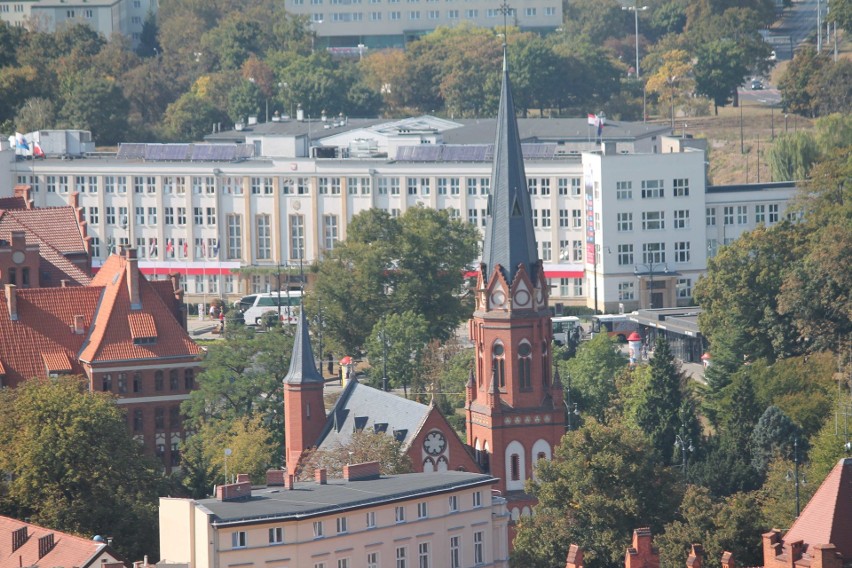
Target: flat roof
683 321
309 499
751 186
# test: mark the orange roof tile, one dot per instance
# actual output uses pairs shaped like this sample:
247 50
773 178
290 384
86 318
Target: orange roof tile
56 362
141 325
12 203
2 369
68 550
56 226
827 518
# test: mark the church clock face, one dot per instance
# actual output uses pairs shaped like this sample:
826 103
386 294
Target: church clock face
435 443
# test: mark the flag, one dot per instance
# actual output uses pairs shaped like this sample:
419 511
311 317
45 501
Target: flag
110 245
152 248
185 248
170 247
203 248
216 248
600 126
37 151
592 119
21 142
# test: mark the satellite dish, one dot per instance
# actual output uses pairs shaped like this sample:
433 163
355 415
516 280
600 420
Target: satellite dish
98 538
228 451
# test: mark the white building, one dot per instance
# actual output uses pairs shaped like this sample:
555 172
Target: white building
104 16
375 24
204 210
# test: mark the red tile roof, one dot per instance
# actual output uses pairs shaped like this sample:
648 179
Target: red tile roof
13 203
56 362
68 550
111 338
141 325
827 518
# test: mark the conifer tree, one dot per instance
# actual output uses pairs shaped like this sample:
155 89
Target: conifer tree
657 412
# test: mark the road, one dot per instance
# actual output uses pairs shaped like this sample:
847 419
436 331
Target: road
765 97
797 25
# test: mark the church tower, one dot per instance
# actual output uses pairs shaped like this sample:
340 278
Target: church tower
515 414
304 410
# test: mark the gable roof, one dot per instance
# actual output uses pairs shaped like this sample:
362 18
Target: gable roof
827 518
112 338
367 408
57 234
67 551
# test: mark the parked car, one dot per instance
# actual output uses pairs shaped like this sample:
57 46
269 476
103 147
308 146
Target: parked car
756 85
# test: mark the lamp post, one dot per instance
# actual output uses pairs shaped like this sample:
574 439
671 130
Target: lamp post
384 338
796 472
571 409
684 445
228 452
636 9
651 270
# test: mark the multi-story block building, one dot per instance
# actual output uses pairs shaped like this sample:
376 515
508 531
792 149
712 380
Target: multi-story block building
419 519
392 23
205 210
106 17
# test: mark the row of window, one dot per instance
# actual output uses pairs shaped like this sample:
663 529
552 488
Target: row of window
524 357
652 189
117 216
159 419
137 384
415 15
654 253
653 220
768 214
627 289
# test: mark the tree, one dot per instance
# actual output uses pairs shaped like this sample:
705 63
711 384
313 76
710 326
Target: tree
774 435
794 84
672 80
777 496
603 482
391 265
36 114
827 447
190 118
73 466
792 156
840 11
251 448
362 446
244 100
727 359
401 338
591 375
827 89
721 67
97 104
657 410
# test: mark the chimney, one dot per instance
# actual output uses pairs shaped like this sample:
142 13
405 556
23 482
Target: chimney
696 556
19 240
728 560
771 546
575 557
361 471
233 491
825 556
12 301
275 477
243 478
133 279
45 545
79 325
642 553
321 476
19 537
794 550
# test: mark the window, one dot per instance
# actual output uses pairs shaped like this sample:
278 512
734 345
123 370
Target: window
174 418
371 519
422 510
681 251
122 383
653 220
341 525
564 286
138 420
401 553
343 563
760 214
159 418
681 219
577 251
680 187
546 251
477 498
472 216
545 218
624 190
625 222
684 287
159 381
152 215
372 560
94 216
773 213
329 231
297 237
525 365
454 503
652 188
137 382
181 216
515 467
563 217
423 555
729 215
478 547
198 215
106 383
189 379
399 514
211 216
578 287
710 213
576 218
625 291
653 253
455 552
264 237
235 236
742 214
498 362
238 539
173 380
318 530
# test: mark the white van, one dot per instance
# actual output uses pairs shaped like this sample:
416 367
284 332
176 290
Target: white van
257 307
562 328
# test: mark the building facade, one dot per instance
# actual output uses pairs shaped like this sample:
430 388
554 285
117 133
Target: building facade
629 221
106 17
426 520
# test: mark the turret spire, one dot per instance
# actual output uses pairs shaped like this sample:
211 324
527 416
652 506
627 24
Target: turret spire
302 367
509 235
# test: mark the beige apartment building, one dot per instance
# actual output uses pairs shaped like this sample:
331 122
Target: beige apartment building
417 520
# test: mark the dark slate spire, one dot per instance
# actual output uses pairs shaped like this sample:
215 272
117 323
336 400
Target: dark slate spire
509 236
302 367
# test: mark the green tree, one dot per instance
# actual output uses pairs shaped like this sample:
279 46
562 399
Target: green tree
591 374
840 11
603 482
774 435
828 446
190 118
792 155
73 466
777 495
244 100
233 41
721 67
148 44
97 104
401 338
828 91
794 83
362 446
657 410
36 114
727 359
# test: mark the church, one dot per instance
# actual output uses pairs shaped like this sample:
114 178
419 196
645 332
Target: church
513 403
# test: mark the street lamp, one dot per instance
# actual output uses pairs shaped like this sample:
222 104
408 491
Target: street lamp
571 409
384 338
796 473
228 452
636 9
651 269
684 445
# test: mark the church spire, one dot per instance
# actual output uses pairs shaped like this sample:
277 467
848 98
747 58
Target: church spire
302 367
509 235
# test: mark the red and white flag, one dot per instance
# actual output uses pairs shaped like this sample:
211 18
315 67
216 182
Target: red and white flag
185 248
37 151
170 246
592 119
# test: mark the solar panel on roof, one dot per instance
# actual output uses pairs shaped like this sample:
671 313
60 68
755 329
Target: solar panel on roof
131 151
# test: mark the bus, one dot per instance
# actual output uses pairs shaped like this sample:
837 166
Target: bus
614 325
257 307
563 326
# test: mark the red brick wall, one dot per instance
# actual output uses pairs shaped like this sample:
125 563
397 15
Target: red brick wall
455 453
300 430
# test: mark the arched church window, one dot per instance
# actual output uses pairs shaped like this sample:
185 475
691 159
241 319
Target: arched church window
525 364
498 363
545 365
